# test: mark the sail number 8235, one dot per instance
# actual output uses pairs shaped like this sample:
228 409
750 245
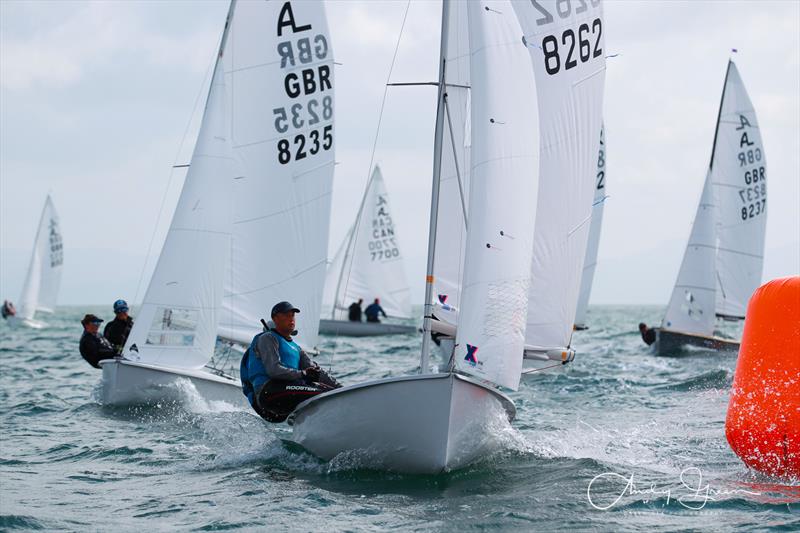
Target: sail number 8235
303 146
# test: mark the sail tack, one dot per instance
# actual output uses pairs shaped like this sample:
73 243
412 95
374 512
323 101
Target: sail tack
40 289
566 44
503 188
593 245
281 78
373 266
739 181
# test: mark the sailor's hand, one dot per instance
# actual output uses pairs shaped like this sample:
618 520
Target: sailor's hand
312 372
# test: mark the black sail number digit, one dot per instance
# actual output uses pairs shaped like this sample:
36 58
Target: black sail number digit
314 136
552 55
597 27
305 146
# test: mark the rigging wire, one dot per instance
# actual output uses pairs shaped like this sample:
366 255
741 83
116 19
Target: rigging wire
354 236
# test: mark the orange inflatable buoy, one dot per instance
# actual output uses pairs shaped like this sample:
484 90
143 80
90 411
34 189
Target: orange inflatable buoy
763 422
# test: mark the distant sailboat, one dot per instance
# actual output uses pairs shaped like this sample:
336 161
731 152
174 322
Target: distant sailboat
723 260
369 265
592 247
40 290
433 422
250 179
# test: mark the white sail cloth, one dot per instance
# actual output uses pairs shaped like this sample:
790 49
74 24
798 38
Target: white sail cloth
454 186
281 79
691 306
738 176
177 322
593 245
566 44
372 266
503 189
40 289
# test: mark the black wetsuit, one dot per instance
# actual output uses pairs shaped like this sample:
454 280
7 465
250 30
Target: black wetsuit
287 387
354 312
649 336
117 331
94 348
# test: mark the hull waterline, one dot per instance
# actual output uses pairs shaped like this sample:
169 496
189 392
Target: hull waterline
421 424
131 383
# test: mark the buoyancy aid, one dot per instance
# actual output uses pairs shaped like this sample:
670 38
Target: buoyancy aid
251 370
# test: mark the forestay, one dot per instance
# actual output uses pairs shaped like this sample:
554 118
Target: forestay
593 245
281 79
691 306
334 272
566 44
451 232
40 290
373 266
176 325
504 184
738 175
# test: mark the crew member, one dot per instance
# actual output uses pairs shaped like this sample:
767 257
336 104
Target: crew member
276 373
354 311
8 309
116 332
373 310
648 334
94 347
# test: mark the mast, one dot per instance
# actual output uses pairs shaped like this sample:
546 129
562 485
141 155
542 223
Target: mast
437 168
719 114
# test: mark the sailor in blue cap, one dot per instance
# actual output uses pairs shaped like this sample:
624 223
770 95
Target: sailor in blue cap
117 331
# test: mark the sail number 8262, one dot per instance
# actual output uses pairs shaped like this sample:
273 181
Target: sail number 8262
552 59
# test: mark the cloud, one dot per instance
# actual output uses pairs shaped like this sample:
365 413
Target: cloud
91 36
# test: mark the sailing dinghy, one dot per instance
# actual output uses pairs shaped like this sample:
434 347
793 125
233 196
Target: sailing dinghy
368 265
40 290
590 262
724 257
175 333
251 225
429 423
570 85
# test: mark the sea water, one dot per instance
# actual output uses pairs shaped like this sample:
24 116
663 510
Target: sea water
619 440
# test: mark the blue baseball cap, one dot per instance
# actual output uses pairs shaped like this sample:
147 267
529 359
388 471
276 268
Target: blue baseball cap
121 306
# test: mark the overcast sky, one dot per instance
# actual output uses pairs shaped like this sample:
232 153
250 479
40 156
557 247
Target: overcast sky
95 99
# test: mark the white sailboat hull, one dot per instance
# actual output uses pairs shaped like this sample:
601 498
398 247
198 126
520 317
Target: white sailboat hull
421 424
131 383
347 328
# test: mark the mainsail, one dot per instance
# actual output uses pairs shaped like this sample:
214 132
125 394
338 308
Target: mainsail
566 44
503 189
738 177
280 74
593 245
40 290
372 265
177 322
